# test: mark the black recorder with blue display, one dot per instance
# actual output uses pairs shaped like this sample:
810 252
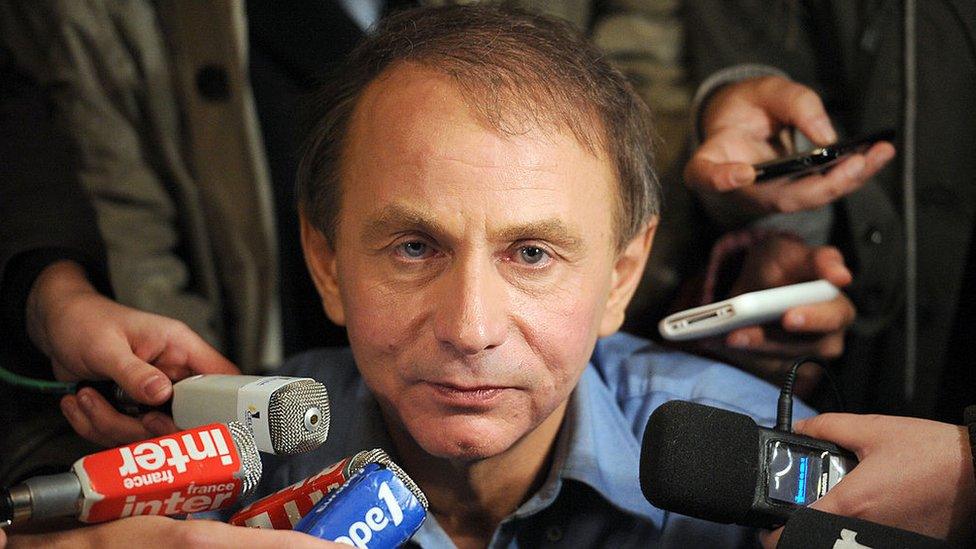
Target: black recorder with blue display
721 466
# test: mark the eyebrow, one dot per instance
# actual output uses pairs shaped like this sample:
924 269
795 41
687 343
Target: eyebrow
395 217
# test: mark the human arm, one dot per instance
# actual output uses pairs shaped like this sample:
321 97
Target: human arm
913 474
154 531
88 336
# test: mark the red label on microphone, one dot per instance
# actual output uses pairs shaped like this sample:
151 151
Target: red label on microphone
186 472
283 509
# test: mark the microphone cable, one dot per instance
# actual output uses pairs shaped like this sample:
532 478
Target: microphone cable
784 406
38 385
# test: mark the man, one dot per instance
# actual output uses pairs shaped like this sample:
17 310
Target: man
477 207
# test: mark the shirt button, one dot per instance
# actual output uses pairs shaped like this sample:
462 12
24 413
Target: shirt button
554 533
873 235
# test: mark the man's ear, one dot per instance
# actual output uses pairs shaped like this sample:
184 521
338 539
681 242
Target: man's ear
628 269
320 258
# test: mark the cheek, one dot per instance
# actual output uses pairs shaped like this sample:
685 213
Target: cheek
562 329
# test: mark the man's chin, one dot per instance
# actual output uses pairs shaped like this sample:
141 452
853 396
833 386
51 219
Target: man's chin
466 441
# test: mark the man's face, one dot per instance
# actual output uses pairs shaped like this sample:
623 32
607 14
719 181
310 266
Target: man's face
472 270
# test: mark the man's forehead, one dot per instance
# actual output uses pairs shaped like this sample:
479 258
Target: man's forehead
409 104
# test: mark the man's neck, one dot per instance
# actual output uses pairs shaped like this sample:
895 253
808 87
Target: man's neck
470 499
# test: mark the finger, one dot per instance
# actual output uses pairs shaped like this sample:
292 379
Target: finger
877 157
158 424
201 358
759 341
815 191
796 105
103 424
115 359
745 338
707 175
178 351
239 536
847 430
828 263
831 316
76 418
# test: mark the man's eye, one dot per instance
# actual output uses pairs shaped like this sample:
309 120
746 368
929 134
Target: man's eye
532 255
414 250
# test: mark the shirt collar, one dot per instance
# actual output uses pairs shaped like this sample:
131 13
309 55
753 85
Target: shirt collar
597 447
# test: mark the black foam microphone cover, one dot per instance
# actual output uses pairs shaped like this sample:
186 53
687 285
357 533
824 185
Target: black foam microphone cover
700 461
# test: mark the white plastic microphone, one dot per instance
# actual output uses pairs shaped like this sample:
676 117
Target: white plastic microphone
288 415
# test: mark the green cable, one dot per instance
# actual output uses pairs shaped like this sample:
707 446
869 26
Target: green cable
40 385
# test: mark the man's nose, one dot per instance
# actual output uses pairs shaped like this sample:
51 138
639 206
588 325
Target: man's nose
472 315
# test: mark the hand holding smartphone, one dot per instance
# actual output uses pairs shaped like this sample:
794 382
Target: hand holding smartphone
819 159
747 309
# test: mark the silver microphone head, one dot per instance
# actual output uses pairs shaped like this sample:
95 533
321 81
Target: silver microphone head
298 417
250 473
377 455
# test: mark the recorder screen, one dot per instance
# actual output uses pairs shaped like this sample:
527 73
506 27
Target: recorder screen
797 474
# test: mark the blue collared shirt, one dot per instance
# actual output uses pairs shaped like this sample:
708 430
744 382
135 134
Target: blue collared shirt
591 497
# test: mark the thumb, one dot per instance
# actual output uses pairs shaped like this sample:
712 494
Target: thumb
796 105
704 174
139 379
850 431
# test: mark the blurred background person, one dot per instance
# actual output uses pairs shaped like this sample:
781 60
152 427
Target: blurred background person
844 69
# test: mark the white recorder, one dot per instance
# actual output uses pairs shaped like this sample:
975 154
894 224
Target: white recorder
748 309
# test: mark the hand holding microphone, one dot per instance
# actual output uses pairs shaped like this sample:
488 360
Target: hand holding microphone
288 415
89 336
914 474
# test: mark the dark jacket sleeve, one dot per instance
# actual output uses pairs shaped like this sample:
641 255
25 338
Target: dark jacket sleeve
45 215
811 41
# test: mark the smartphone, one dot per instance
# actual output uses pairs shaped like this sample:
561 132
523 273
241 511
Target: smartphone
747 309
819 159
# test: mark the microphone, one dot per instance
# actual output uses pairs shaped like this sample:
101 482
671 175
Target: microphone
283 509
200 469
379 507
809 529
718 465
288 415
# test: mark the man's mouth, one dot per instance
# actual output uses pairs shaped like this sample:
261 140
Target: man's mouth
465 395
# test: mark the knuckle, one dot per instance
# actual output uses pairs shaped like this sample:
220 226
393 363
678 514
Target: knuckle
785 204
179 329
771 83
852 503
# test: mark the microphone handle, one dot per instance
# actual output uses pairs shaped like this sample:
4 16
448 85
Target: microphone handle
809 528
121 401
